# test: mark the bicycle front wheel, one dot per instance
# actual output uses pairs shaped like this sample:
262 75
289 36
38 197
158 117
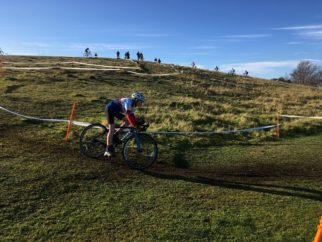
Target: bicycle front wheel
141 157
93 140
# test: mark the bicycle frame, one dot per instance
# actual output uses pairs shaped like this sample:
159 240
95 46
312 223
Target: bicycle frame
128 134
139 150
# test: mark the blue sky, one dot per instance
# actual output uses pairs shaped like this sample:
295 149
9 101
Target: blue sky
268 38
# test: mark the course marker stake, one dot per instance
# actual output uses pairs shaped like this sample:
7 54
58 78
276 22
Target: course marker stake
319 232
70 121
277 118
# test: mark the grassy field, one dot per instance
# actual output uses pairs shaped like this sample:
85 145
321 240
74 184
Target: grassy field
244 187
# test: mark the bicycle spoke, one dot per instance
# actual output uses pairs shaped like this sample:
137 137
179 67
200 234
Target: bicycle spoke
93 140
140 158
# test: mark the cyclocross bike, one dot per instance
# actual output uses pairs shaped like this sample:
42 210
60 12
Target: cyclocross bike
139 150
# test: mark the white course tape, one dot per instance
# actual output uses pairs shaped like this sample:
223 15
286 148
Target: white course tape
85 124
146 74
107 68
297 116
62 68
45 119
70 62
213 132
29 68
89 69
88 64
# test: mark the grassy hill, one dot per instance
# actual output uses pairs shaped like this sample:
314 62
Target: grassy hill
227 187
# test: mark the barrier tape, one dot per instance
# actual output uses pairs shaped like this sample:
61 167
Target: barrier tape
297 116
63 68
146 74
69 62
110 68
84 124
214 132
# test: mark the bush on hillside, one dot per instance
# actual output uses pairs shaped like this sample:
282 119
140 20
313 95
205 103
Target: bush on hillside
307 73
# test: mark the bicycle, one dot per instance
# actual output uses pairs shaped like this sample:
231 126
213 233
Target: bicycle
87 54
139 151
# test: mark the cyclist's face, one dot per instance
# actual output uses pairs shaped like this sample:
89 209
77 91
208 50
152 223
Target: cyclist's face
139 103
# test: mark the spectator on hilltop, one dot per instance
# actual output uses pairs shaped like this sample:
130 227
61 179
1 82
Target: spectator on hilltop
155 60
216 68
193 64
87 52
139 56
127 55
117 55
246 73
159 61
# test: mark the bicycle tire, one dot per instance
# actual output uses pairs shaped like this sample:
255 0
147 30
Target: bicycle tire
144 158
93 140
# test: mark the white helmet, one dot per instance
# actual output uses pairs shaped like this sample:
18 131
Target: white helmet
138 95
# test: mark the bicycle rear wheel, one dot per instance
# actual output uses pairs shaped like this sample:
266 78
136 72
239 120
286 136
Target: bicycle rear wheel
93 140
141 158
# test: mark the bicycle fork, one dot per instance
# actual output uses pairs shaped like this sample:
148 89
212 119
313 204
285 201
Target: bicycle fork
137 142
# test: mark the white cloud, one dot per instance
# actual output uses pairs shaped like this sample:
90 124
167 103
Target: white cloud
204 47
246 36
152 35
259 68
313 32
236 38
37 44
195 53
303 27
264 67
293 43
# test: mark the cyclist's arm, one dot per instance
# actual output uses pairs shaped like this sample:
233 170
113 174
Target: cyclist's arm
131 118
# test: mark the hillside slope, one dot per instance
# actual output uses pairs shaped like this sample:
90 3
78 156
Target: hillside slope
235 187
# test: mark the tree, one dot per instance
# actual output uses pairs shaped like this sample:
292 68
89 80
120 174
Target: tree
307 73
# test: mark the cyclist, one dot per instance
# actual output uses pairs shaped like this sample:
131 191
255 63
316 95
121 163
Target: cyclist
123 109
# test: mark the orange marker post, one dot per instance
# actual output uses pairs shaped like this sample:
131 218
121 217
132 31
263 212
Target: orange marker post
319 232
70 122
278 132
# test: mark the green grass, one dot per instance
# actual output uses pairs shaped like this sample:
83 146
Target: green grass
245 187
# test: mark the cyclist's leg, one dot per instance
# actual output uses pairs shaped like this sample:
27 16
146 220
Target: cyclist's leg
110 116
121 117
110 134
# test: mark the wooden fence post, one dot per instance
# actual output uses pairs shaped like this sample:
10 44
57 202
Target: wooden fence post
278 131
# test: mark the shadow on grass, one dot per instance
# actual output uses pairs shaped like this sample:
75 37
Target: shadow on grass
279 190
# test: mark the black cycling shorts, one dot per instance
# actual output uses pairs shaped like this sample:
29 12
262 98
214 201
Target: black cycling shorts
111 112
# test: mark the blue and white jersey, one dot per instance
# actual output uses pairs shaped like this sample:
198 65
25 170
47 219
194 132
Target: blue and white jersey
126 104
